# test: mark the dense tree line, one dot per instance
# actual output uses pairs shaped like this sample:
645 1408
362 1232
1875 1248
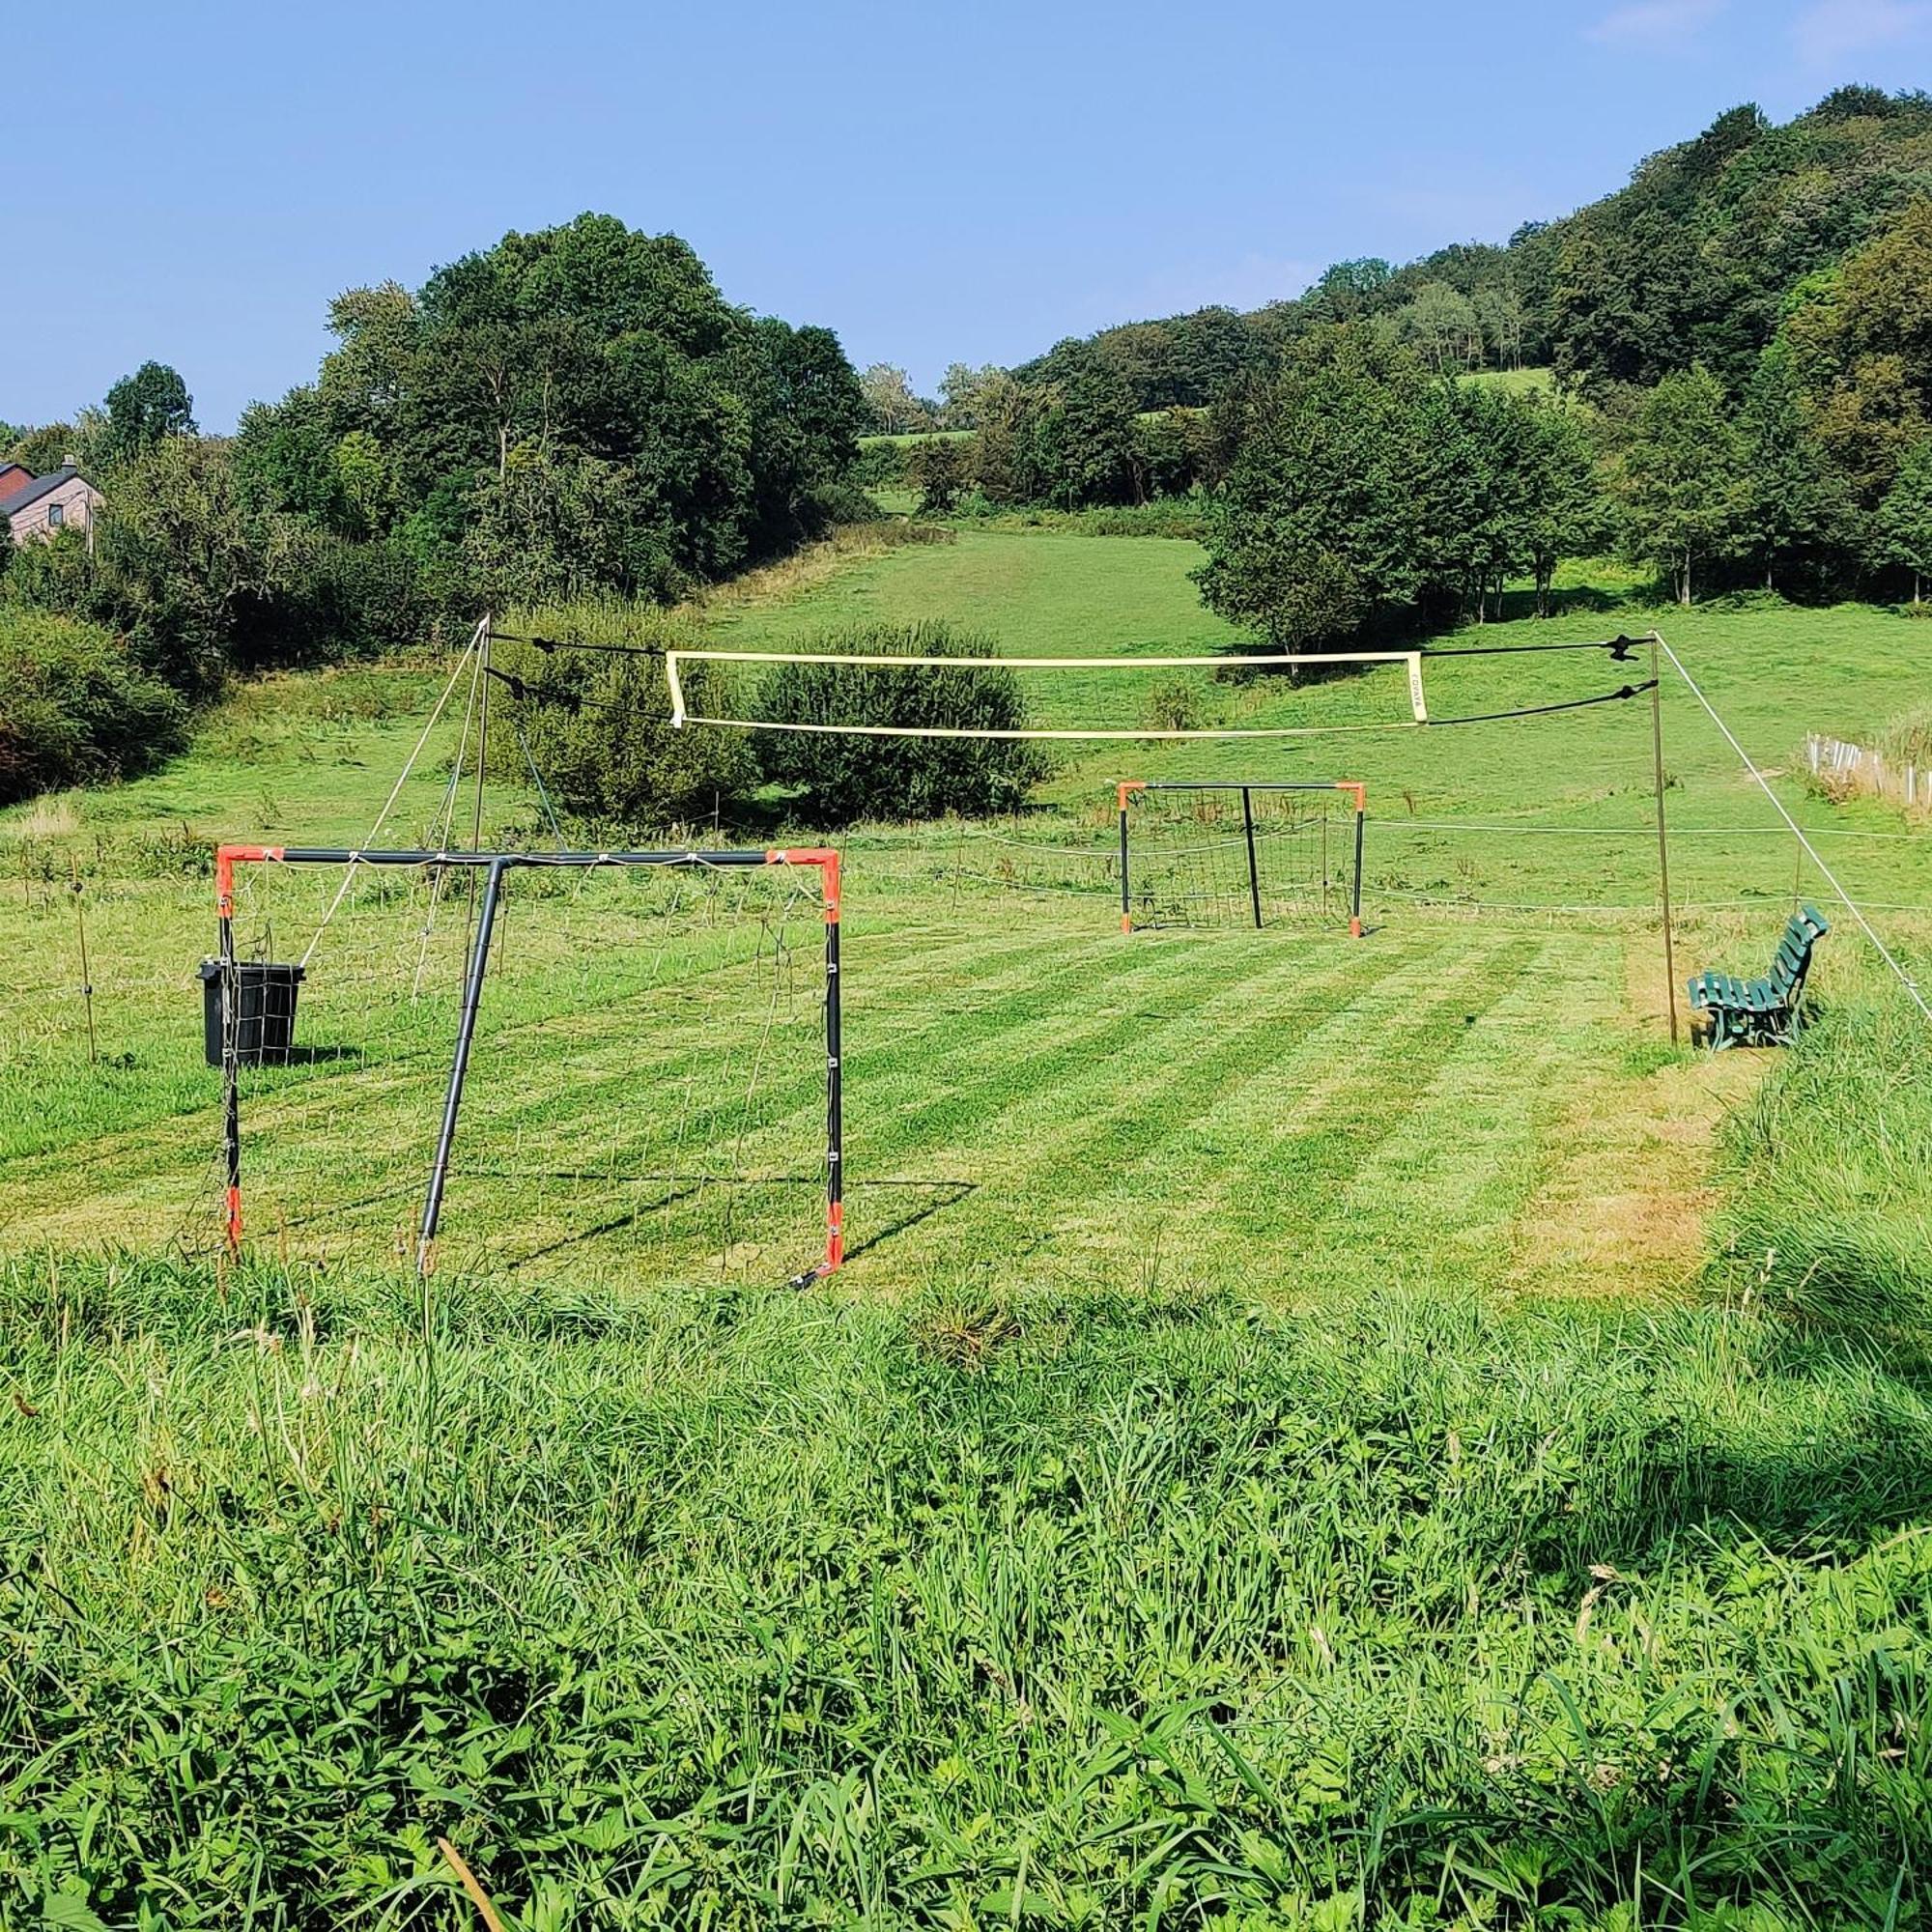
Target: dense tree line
1741 345
1065 445
1695 262
1365 491
571 411
576 411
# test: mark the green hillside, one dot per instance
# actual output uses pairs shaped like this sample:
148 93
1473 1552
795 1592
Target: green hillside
1287 1392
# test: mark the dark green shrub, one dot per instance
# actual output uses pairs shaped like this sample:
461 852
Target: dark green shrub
881 459
830 505
329 601
844 777
72 709
938 469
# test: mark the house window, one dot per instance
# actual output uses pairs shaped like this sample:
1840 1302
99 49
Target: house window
56 515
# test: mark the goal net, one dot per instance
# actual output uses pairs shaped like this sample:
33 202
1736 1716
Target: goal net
1176 854
531 1062
1242 853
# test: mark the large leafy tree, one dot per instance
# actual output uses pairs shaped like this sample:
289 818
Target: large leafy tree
1093 437
575 405
889 402
1014 453
1319 531
1861 337
937 467
1443 323
1903 527
1685 481
1563 508
1798 513
959 391
143 408
1504 317
1365 492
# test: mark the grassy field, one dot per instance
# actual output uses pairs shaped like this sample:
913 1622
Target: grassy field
1516 382
1313 1432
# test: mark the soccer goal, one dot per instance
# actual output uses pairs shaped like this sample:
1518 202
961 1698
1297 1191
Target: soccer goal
531 1058
1240 851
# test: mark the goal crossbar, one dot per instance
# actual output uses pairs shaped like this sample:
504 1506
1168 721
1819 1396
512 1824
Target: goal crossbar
1130 788
681 714
493 866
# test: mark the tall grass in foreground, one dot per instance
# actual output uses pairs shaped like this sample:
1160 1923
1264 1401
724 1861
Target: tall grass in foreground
752 1610
1829 1211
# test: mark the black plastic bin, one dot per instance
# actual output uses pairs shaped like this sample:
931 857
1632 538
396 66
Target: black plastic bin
265 1012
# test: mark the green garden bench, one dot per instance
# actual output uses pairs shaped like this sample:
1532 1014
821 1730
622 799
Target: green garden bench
1759 1012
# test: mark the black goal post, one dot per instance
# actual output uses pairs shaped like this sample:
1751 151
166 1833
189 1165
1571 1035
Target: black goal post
493 866
1245 792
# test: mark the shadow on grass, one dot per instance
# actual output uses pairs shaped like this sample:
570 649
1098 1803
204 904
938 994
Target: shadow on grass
680 1187
304 1056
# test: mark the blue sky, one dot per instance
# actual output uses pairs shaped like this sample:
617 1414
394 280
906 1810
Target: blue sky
194 182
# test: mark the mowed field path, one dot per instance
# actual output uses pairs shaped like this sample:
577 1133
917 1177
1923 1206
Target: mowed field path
1032 1099
1480 1093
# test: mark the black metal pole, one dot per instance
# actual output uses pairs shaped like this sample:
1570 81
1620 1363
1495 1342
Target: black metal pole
482 757
341 855
1126 910
1356 887
834 1103
1254 877
465 1031
231 1086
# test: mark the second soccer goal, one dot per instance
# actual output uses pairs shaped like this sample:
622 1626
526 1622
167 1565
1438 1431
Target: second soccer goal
1241 852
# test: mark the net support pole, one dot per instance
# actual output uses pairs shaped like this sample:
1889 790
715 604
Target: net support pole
1355 885
231 1091
827 861
459 1066
1123 793
488 678
86 977
835 1083
1662 837
1254 874
1361 792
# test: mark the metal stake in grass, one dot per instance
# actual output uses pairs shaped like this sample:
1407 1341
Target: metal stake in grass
86 978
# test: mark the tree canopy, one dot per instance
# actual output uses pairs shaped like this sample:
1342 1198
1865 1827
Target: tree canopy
573 410
145 407
1367 492
1695 261
576 411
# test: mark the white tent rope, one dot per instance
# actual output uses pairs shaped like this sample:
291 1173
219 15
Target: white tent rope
402 778
441 825
1796 830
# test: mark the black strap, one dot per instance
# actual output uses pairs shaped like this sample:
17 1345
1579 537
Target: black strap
1542 710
